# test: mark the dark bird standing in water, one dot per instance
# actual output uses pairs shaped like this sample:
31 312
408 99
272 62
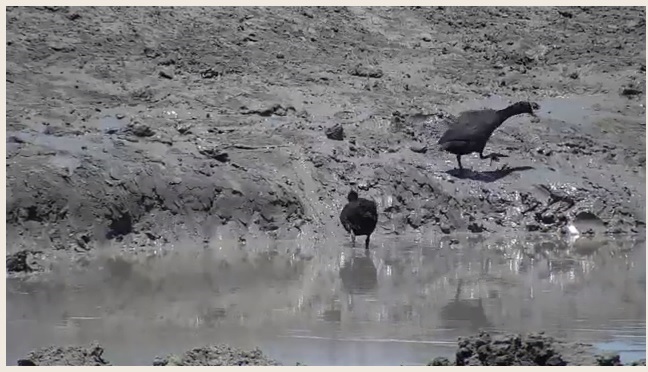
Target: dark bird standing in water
472 129
359 217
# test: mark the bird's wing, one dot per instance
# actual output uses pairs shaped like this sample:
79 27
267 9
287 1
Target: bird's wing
468 125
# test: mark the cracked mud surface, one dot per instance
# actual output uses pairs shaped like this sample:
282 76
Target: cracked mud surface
148 130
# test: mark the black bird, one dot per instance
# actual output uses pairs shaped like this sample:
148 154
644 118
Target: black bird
472 129
359 217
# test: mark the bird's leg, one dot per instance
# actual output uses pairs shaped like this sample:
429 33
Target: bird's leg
459 162
352 239
493 156
367 242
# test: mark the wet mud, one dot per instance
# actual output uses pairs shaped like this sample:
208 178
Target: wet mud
478 350
144 132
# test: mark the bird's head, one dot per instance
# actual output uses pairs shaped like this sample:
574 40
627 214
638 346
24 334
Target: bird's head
353 196
527 107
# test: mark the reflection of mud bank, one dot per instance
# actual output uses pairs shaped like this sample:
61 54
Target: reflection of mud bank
479 350
405 290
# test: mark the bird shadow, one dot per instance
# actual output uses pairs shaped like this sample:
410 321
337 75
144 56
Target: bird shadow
486 176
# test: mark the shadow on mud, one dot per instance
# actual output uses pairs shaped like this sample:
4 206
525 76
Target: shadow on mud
487 176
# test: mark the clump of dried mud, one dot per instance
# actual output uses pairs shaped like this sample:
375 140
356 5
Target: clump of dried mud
217 355
90 355
534 349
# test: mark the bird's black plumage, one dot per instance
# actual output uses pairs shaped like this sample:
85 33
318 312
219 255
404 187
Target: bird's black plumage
472 129
359 217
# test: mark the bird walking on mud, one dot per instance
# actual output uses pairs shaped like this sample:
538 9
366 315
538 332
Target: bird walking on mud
472 129
359 217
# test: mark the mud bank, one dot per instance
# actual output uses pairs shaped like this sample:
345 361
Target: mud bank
534 349
140 127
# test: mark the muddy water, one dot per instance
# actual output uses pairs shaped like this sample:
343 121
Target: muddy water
404 302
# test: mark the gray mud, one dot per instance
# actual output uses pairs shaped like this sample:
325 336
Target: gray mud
151 131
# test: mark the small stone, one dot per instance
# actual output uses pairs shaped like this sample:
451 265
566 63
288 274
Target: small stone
440 361
476 228
419 148
363 71
214 153
166 73
141 130
280 56
426 37
609 359
565 14
629 92
183 128
335 132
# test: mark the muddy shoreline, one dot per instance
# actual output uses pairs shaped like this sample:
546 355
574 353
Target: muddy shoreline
150 131
535 349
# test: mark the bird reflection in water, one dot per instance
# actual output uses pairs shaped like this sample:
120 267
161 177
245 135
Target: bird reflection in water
359 274
359 277
465 313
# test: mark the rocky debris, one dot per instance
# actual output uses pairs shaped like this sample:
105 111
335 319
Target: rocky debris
268 110
421 149
630 92
140 130
440 361
335 132
366 71
166 73
609 359
213 152
217 355
21 261
508 350
90 355
533 349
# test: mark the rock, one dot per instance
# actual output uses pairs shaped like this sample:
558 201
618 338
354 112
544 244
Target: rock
68 356
476 228
335 132
630 92
565 13
218 355
18 262
25 362
364 71
640 362
141 130
213 153
421 149
426 37
508 350
609 359
166 73
183 128
209 73
440 361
